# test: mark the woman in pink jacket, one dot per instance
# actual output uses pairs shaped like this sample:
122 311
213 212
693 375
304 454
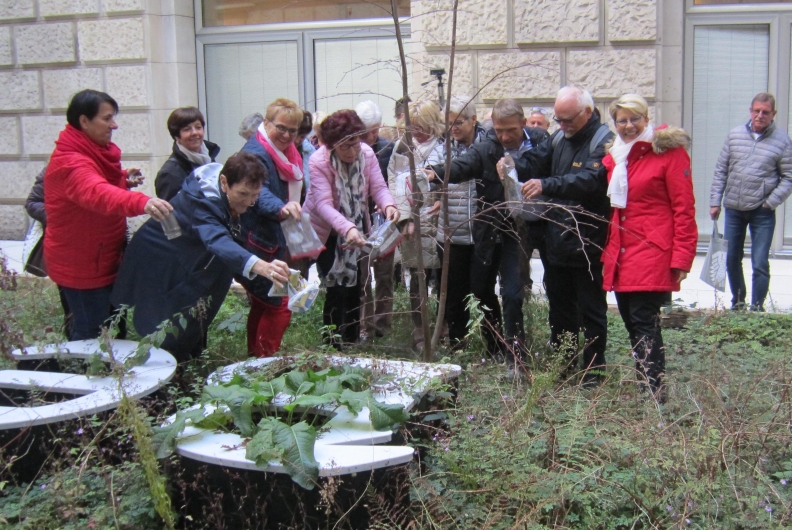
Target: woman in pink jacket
344 175
652 238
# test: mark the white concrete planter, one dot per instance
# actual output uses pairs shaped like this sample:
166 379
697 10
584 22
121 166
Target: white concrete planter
96 394
347 443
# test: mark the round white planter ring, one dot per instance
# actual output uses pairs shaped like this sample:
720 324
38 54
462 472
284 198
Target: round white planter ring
346 443
96 393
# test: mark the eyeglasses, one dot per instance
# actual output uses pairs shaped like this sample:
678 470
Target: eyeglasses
762 112
459 122
282 129
347 147
567 121
538 110
635 120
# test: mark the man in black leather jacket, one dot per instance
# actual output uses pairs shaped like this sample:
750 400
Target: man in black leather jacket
491 221
567 170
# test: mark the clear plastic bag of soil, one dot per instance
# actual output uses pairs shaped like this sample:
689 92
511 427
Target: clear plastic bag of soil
301 238
384 238
511 187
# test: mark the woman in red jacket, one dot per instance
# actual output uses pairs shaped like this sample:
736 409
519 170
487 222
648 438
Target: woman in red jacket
653 234
87 199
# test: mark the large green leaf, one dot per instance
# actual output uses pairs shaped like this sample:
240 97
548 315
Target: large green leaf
381 415
330 386
164 439
292 445
294 380
309 401
261 448
239 401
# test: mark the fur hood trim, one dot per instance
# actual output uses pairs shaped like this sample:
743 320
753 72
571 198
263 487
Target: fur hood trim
665 138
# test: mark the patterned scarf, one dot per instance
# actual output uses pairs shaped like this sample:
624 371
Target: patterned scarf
349 186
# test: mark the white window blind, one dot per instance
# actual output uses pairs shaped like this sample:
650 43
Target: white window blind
349 71
730 66
242 79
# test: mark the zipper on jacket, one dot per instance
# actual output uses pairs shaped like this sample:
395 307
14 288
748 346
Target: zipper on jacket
210 262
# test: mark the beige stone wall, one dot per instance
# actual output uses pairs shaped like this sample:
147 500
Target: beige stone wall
141 52
528 49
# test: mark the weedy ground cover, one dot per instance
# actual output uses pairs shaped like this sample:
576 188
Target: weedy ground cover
531 452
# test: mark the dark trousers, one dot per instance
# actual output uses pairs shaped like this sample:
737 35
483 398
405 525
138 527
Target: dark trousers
577 300
342 304
641 314
377 312
484 275
511 289
90 308
415 300
460 267
761 223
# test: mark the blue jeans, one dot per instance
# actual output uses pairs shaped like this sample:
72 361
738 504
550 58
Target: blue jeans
90 308
761 223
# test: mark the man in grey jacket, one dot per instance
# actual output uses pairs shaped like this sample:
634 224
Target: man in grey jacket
753 177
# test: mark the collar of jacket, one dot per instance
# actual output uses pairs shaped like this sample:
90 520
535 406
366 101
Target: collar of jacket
587 131
213 149
770 129
479 133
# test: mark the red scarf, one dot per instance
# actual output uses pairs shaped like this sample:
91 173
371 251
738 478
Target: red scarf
285 170
108 157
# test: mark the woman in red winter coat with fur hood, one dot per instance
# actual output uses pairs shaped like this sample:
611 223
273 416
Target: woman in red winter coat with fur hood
653 234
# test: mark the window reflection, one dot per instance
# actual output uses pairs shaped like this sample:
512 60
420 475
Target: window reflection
242 12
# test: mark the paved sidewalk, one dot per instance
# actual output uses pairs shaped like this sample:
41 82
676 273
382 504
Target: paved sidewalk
694 291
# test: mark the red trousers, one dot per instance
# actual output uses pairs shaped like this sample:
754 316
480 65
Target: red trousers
266 326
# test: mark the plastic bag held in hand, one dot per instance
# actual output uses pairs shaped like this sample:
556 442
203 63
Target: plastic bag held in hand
301 294
511 187
384 238
301 238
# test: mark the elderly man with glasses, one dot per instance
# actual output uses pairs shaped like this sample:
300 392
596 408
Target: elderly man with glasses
567 171
539 117
753 177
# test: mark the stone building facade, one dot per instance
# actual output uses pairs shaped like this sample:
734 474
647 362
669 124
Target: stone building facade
528 49
142 52
684 56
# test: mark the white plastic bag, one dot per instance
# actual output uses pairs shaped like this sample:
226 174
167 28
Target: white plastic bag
301 238
301 295
714 271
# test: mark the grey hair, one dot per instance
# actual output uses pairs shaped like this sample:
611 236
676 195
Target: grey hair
369 113
583 97
506 108
462 106
250 124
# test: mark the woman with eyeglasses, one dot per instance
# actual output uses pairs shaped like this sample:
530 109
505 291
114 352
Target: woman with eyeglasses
191 274
652 236
427 129
273 144
344 175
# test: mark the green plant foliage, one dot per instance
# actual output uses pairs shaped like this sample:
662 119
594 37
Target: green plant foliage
293 445
382 416
108 498
233 406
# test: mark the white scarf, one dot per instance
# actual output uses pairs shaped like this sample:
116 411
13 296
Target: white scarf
295 186
617 189
196 159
